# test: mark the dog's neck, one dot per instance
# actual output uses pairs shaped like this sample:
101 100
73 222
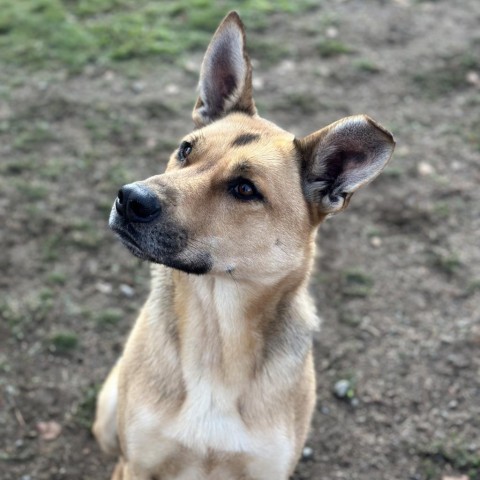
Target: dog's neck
230 330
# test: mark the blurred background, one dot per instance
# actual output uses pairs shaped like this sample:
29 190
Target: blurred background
97 93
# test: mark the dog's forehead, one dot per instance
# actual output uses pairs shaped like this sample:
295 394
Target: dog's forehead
239 139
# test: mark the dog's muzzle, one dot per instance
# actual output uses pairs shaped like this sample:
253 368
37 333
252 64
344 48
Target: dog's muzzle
144 226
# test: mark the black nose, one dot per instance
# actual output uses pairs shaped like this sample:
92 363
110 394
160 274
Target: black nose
136 203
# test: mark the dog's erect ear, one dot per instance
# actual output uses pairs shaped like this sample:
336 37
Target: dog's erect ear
341 158
226 75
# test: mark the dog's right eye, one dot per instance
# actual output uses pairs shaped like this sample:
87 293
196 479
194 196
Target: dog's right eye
184 151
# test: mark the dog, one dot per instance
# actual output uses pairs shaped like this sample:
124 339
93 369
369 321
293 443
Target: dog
217 380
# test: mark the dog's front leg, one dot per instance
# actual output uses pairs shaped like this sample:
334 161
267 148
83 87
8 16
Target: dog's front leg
117 473
105 425
123 471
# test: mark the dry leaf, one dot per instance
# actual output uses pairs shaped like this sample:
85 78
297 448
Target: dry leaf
49 430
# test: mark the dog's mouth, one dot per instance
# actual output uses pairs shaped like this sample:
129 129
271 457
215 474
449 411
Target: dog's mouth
162 243
128 240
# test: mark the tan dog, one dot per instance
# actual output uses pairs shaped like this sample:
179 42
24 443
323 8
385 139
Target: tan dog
217 378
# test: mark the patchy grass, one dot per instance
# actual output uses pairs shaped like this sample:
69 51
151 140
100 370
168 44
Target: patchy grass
356 283
393 172
84 234
349 318
31 190
114 128
63 342
17 166
302 102
108 317
56 278
269 52
473 286
84 412
461 458
472 134
31 135
328 48
53 169
447 78
447 262
442 210
366 65
23 316
48 33
51 247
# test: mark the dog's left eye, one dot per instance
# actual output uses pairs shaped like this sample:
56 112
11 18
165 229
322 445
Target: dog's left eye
184 151
244 190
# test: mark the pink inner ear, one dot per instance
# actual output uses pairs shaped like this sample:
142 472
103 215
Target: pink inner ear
353 161
223 82
223 70
342 158
338 163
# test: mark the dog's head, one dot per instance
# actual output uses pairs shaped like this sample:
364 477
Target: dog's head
241 196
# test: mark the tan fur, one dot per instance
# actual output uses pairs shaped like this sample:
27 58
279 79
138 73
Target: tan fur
217 380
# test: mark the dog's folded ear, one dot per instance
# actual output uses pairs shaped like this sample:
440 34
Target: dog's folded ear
341 158
226 75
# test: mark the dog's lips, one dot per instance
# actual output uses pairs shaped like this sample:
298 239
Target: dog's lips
129 241
127 238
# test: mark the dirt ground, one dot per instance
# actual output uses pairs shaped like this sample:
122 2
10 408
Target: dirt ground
397 281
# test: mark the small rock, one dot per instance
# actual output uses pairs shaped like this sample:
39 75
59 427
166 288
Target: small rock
325 410
425 169
286 66
127 290
258 83
331 32
108 76
25 477
172 89
458 360
307 453
341 388
462 477
11 390
151 143
49 430
355 402
473 78
456 165
191 66
403 151
452 404
43 86
361 419
103 287
376 242
138 87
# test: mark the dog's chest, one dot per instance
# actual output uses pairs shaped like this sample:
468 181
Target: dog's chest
208 422
215 367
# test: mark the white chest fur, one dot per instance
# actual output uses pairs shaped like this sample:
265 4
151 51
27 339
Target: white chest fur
206 429
215 369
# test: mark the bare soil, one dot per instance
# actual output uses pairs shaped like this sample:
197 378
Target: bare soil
397 281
